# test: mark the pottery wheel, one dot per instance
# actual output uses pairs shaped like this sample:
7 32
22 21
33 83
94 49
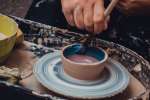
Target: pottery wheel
49 72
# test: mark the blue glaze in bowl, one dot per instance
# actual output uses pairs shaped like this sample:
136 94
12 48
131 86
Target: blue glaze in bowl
94 52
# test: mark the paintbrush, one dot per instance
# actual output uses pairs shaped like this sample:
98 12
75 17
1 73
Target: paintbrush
85 43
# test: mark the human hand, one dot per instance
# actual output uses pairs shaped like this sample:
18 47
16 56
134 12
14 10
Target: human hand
85 14
134 6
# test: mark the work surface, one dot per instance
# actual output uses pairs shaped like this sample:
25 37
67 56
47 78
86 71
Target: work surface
23 58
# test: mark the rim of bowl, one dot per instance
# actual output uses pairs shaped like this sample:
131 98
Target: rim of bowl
95 63
16 27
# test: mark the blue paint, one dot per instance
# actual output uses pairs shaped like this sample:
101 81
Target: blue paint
91 51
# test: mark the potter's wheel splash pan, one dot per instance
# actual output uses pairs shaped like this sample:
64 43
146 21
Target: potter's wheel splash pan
135 64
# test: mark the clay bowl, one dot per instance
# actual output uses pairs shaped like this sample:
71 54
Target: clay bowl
84 71
9 28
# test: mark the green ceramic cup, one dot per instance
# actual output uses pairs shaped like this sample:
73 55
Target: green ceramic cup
9 28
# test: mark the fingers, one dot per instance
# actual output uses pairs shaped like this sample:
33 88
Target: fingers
126 5
78 17
85 14
122 3
70 19
68 13
88 17
99 19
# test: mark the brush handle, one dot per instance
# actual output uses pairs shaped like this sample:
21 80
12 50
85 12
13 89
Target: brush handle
110 7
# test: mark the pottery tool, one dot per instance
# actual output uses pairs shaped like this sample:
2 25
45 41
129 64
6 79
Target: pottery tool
91 36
